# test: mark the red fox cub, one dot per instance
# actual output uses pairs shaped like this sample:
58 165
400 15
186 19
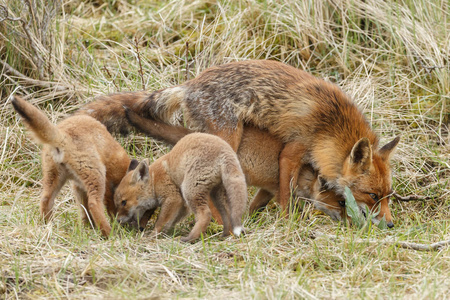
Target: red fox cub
200 167
80 149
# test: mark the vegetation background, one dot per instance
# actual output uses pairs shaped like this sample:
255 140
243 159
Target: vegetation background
392 57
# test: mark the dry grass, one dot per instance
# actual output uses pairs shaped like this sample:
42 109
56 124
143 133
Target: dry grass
391 56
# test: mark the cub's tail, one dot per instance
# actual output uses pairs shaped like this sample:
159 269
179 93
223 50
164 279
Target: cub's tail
37 122
234 182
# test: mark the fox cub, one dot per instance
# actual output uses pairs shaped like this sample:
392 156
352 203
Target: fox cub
80 149
199 167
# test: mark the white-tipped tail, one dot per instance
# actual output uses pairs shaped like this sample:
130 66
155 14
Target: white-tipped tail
237 230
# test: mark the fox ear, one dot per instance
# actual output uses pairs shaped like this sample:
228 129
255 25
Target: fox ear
388 149
133 164
322 183
140 173
361 155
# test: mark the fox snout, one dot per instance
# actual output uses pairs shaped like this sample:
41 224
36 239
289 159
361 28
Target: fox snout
384 213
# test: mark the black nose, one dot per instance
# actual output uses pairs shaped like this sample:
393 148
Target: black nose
141 228
390 224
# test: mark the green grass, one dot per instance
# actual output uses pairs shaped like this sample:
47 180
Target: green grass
392 57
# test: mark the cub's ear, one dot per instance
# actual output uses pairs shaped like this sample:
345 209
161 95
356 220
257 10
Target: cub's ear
361 156
140 173
322 183
388 149
133 164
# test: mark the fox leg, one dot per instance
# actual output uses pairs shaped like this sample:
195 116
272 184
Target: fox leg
172 210
197 199
93 179
260 200
82 200
109 200
145 218
219 198
215 212
52 182
290 163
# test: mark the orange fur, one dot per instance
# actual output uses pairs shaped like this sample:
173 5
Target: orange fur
79 149
303 111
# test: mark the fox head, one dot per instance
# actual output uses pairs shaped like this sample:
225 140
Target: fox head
367 173
313 186
134 197
327 200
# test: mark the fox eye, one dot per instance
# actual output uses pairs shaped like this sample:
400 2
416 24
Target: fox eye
374 196
342 203
124 202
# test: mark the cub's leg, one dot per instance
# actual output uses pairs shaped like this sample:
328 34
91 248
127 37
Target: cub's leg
215 212
260 200
290 163
109 199
54 177
197 199
220 201
93 178
172 210
82 201
145 218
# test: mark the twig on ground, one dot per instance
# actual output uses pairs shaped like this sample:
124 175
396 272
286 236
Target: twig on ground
186 61
110 76
32 81
410 197
141 72
407 245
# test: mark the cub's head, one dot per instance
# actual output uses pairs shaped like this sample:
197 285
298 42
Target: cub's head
328 201
368 175
314 187
133 197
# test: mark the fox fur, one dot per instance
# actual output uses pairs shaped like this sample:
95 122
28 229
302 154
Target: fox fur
79 149
314 119
258 155
199 168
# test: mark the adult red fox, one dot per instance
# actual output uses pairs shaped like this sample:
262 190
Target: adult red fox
317 123
79 149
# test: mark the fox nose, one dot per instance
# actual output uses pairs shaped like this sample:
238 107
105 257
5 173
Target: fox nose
390 224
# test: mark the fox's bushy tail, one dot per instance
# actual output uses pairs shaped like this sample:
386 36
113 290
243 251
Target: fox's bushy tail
234 182
37 122
110 110
161 106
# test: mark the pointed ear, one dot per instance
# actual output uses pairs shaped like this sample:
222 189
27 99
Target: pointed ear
361 155
388 149
322 183
140 173
133 164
